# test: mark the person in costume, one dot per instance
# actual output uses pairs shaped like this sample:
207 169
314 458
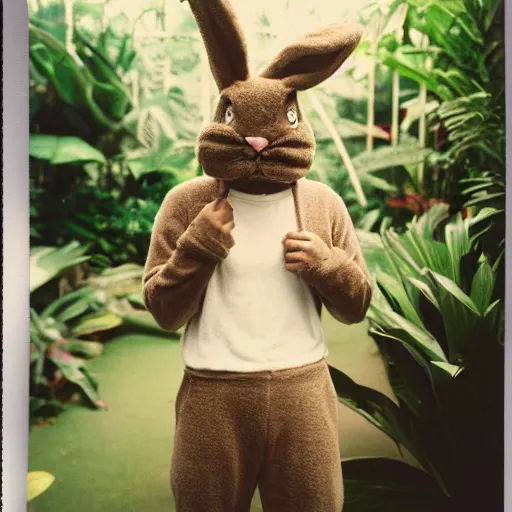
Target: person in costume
246 257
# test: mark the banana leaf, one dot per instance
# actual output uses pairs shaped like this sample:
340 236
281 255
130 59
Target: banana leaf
73 82
410 62
110 92
63 150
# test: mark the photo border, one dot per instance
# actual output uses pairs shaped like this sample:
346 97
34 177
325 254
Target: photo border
16 295
16 285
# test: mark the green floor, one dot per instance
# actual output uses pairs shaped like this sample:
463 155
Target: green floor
118 460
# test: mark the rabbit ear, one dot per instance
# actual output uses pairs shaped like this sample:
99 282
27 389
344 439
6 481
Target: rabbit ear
315 57
224 40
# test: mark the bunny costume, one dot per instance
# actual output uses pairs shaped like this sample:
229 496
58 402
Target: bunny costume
256 406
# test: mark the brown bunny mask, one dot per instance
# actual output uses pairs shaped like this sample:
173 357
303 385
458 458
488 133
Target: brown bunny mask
258 131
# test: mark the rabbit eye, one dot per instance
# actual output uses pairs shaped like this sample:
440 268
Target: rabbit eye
292 117
229 116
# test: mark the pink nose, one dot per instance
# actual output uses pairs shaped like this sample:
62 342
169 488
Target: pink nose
258 143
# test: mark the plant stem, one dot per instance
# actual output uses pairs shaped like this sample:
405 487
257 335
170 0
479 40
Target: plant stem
422 135
371 98
395 108
68 14
342 150
135 83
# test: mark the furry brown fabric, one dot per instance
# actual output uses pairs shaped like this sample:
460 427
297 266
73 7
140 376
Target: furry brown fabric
224 40
182 257
277 429
273 429
260 107
315 57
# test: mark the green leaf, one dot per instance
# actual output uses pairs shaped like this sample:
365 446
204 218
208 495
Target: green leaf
485 198
423 340
452 288
414 110
369 220
450 369
63 150
95 322
426 253
389 156
37 483
54 306
425 290
483 215
410 63
346 128
136 299
491 307
75 371
377 484
395 288
83 348
369 180
46 263
458 243
78 308
377 408
112 277
426 225
406 341
482 286
92 86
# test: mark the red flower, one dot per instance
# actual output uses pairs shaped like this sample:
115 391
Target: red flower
415 203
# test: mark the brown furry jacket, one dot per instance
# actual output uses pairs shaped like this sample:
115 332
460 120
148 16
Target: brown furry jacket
181 259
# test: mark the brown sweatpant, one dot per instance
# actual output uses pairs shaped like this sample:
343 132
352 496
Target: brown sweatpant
274 429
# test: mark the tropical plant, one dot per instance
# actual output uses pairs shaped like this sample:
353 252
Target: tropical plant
47 263
61 329
58 353
104 148
438 319
121 287
450 56
92 94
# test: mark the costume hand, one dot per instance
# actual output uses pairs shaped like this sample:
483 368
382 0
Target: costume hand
211 229
217 217
304 251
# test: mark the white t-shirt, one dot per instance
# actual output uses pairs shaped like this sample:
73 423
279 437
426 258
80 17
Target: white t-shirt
256 315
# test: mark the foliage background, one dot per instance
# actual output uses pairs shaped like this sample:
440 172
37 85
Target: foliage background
410 132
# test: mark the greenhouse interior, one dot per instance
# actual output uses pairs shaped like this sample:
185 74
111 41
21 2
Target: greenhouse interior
410 133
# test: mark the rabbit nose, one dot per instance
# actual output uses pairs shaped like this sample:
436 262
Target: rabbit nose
258 143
